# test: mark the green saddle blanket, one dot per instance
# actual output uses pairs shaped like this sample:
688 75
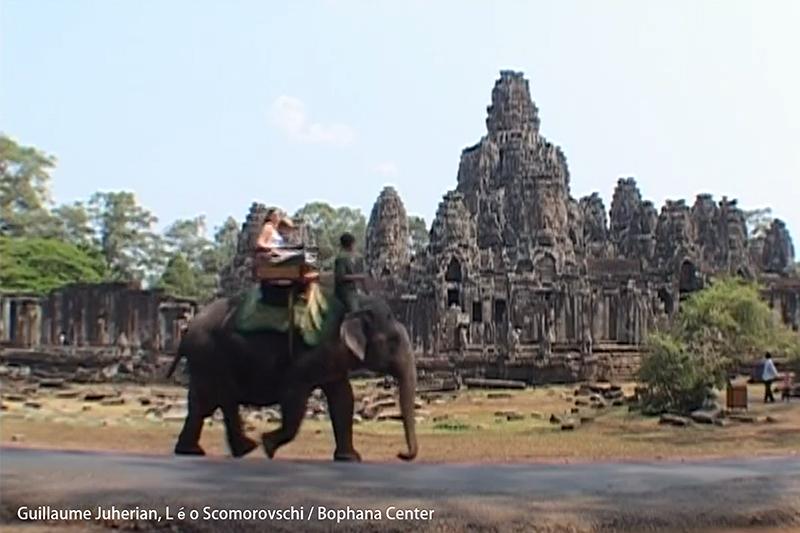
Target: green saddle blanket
316 314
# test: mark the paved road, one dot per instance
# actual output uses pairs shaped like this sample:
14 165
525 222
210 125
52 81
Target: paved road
585 497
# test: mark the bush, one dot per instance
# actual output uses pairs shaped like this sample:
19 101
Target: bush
676 379
729 319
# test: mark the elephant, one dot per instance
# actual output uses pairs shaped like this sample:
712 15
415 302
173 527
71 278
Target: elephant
228 368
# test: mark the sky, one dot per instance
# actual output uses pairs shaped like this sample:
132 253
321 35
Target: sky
202 107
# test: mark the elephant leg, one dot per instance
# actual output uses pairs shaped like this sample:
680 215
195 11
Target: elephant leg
239 443
340 407
293 409
198 408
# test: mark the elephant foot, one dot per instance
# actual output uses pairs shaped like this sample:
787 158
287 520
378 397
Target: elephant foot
351 456
192 449
269 447
243 447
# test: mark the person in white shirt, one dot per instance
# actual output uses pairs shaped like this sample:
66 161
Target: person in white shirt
768 375
270 237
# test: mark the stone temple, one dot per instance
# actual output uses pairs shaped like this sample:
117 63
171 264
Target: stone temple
521 280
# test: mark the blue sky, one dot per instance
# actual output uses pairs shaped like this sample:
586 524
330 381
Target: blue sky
202 107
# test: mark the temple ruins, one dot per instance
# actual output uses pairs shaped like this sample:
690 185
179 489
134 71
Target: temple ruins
99 315
521 280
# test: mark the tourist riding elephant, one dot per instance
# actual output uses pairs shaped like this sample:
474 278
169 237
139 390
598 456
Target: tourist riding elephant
228 368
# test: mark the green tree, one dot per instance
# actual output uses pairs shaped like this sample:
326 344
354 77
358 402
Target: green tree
131 248
179 278
188 237
418 234
204 257
75 225
215 258
716 328
730 320
38 265
226 240
327 223
24 190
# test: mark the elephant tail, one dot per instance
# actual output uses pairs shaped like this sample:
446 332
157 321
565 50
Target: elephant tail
174 365
181 352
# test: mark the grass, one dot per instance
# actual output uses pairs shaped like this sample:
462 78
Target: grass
467 427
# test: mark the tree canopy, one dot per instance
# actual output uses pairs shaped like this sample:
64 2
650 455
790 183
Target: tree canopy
327 223
113 230
24 189
37 265
73 224
716 329
127 239
109 237
179 278
730 320
195 263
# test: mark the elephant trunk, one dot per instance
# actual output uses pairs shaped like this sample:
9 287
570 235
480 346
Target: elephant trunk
407 386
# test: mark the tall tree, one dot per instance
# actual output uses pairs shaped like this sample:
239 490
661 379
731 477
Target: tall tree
327 224
75 225
203 258
418 234
226 240
188 237
131 248
179 278
24 190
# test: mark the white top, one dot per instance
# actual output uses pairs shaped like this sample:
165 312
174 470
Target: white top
276 239
769 372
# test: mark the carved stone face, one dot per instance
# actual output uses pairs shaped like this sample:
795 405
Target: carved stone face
778 251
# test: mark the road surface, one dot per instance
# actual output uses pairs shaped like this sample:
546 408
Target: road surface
671 496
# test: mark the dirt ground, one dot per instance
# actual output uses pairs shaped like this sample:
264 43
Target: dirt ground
469 426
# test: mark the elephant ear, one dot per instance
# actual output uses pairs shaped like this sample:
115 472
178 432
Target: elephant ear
352 334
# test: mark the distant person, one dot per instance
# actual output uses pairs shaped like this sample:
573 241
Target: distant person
768 374
788 385
345 274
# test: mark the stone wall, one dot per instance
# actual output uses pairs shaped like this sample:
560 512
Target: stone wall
102 314
20 319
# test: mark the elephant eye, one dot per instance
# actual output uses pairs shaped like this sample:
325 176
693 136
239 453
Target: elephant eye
366 322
